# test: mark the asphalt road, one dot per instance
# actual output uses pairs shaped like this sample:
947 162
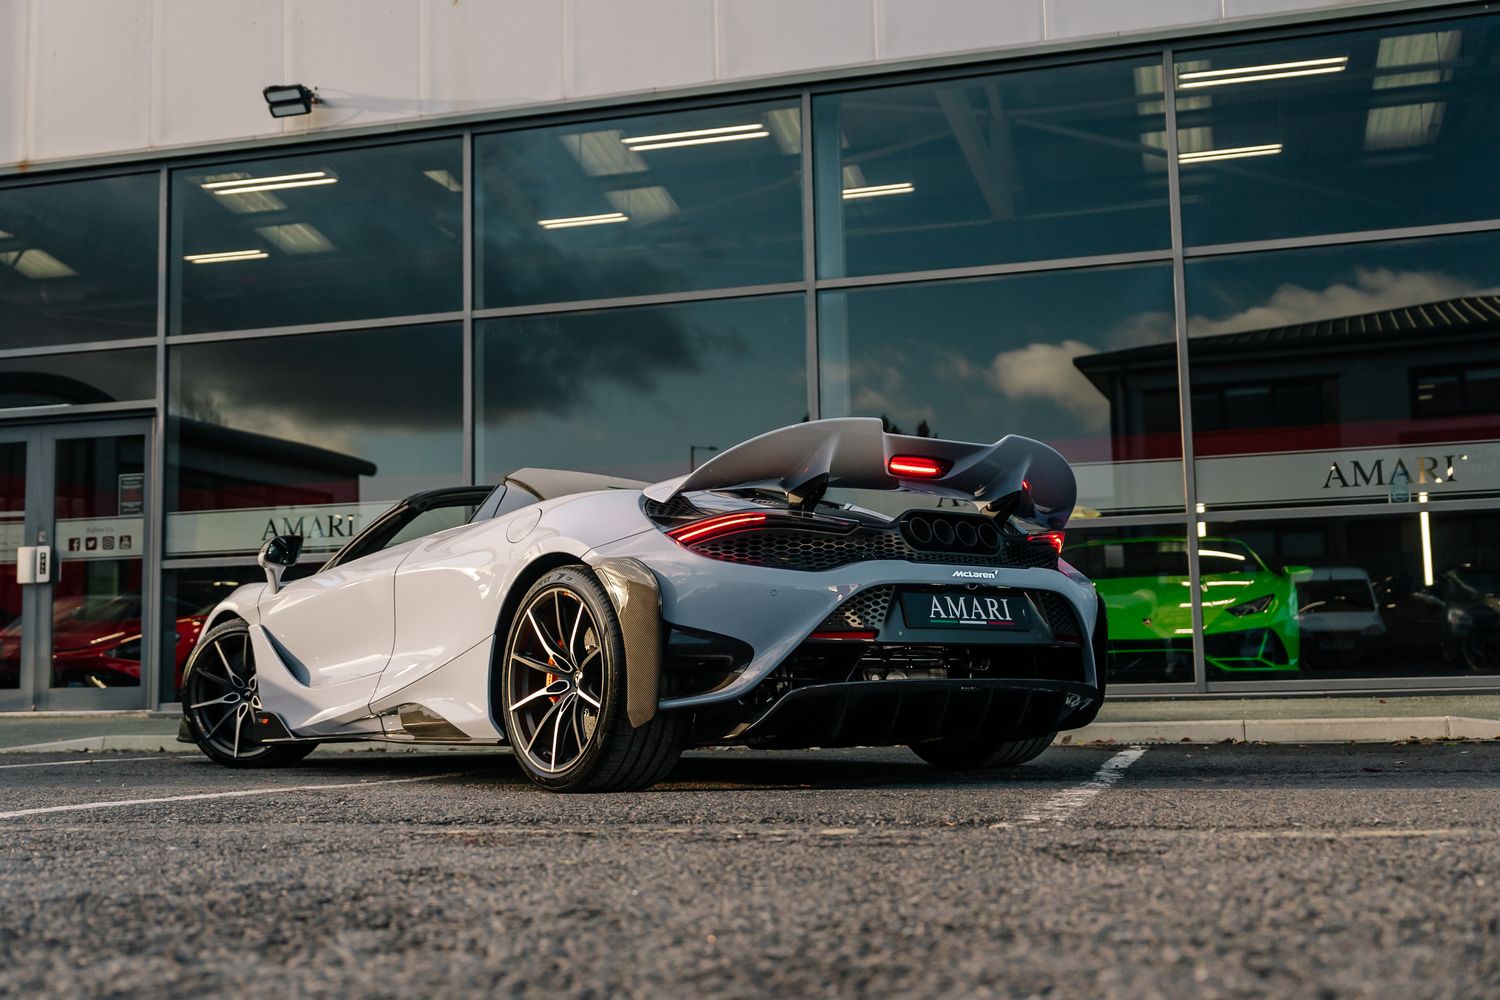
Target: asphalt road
1224 871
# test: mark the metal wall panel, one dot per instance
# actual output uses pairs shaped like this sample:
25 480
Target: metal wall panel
215 56
615 46
906 28
495 54
1081 18
762 37
89 81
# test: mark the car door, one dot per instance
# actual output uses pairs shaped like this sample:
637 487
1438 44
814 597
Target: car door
334 630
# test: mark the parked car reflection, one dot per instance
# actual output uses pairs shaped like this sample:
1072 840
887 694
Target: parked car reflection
1249 608
96 641
1337 615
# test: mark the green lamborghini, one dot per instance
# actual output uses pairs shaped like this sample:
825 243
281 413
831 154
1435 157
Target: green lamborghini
1249 609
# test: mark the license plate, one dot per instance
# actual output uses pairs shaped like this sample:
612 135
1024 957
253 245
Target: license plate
1007 611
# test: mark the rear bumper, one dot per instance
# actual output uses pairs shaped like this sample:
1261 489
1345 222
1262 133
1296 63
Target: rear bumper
891 713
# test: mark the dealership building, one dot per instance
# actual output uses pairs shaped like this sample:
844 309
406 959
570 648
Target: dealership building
1239 260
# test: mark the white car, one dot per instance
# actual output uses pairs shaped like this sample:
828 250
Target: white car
1337 613
600 626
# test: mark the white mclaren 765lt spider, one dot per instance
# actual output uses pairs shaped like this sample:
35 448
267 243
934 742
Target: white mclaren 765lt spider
599 626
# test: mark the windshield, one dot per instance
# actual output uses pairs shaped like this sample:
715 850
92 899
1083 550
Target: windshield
1318 597
1161 557
1486 582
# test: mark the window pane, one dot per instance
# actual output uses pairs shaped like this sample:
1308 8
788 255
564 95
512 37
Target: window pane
1050 356
78 261
638 392
1407 595
1344 374
73 379
312 434
1058 162
1142 574
1332 133
318 238
633 206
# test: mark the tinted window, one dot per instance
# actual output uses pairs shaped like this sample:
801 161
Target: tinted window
1039 355
1339 132
317 238
1057 162
640 392
78 261
312 434
76 379
1420 621
1343 374
632 206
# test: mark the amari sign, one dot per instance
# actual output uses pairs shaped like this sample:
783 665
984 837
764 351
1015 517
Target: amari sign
1394 475
324 527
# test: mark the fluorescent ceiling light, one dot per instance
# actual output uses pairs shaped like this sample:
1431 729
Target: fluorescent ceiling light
245 185
444 178
696 137
296 237
571 222
696 133
1252 74
280 186
244 181
878 190
1238 152
38 265
225 256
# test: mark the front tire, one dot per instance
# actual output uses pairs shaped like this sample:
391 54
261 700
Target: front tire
977 755
562 685
219 694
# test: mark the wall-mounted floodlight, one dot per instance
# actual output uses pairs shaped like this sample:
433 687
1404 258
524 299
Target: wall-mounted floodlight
289 100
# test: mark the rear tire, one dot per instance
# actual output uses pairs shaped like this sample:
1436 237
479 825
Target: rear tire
562 685
219 693
977 755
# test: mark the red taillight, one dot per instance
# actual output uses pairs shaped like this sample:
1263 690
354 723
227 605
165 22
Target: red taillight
856 634
1052 538
712 527
916 466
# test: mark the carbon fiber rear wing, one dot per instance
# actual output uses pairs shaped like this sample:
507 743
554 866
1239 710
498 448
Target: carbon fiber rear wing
1014 476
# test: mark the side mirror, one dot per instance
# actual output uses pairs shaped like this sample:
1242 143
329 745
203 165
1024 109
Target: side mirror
276 555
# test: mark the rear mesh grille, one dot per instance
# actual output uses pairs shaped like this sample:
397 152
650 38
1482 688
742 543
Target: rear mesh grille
865 610
783 548
1058 614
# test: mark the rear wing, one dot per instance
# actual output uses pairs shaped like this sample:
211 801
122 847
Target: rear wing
1015 475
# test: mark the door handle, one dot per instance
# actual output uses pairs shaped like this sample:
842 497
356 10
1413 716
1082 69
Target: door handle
34 564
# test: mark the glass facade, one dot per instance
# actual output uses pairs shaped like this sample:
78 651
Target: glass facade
1248 287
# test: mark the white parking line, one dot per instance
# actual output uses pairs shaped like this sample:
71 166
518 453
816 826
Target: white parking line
1064 804
121 803
97 760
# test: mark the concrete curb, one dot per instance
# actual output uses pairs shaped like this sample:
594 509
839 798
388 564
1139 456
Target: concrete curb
1349 730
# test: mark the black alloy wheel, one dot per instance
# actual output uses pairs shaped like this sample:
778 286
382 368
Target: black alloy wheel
220 693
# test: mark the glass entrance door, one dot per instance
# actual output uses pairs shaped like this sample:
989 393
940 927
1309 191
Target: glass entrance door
73 591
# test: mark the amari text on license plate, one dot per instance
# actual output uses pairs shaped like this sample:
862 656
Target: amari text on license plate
964 609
